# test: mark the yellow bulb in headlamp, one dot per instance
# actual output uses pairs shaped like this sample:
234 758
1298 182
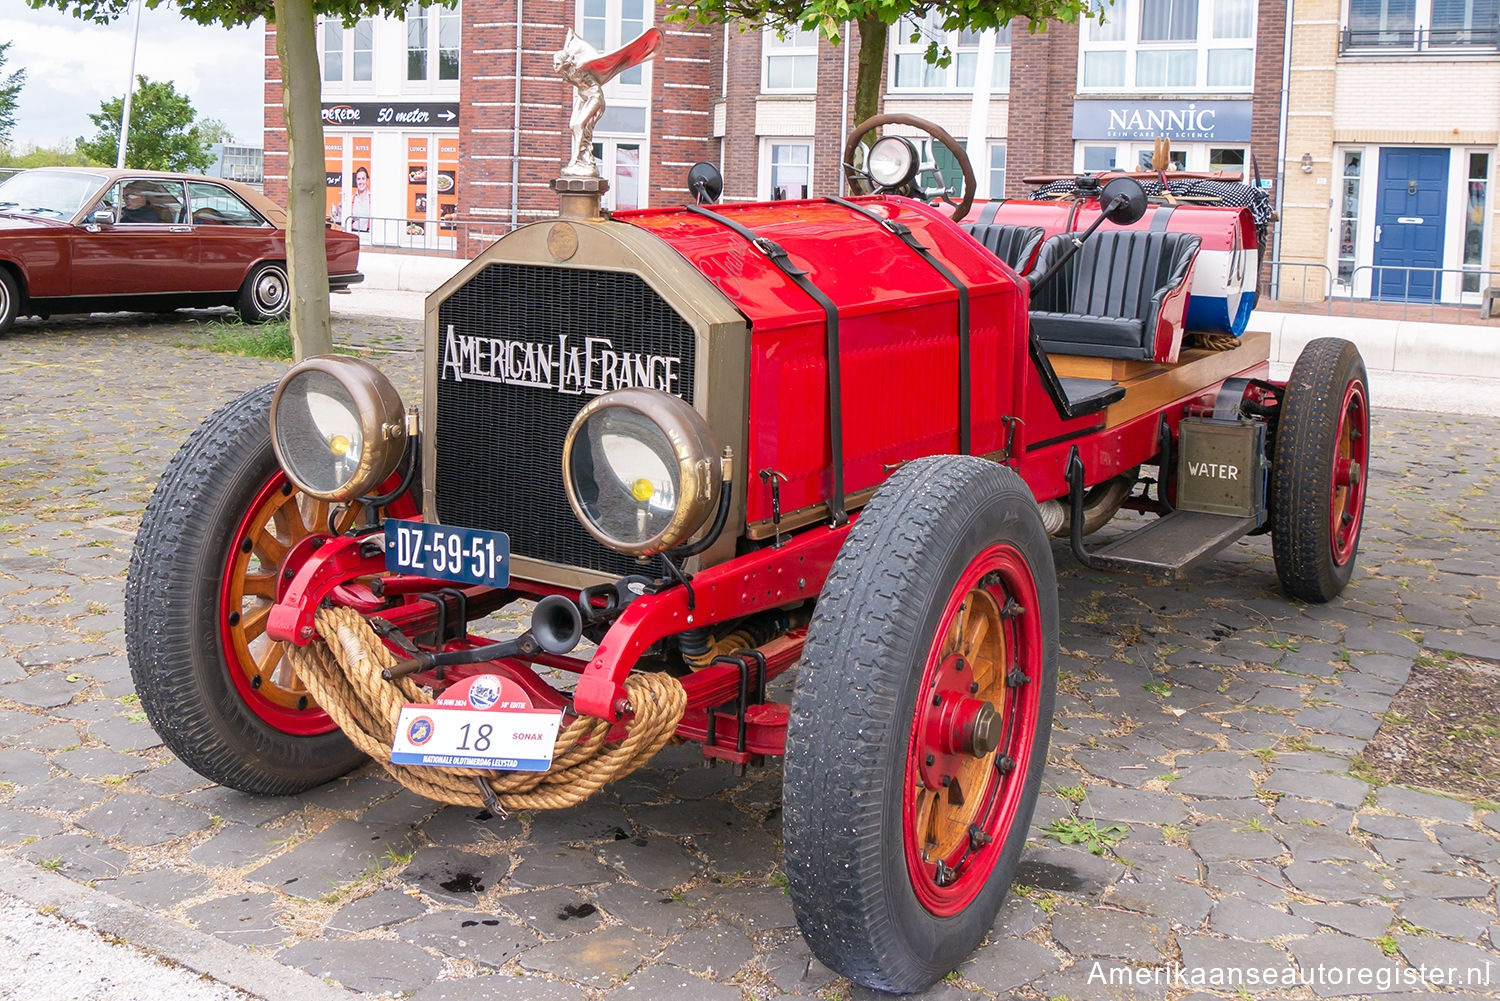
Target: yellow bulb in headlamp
642 490
339 445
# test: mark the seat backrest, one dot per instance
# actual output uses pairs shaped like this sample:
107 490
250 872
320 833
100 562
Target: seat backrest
1015 245
1115 274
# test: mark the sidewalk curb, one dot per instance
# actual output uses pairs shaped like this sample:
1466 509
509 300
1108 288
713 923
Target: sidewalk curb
253 973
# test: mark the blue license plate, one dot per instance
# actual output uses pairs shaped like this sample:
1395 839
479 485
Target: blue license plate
468 555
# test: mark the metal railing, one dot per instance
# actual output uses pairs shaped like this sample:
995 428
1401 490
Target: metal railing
1440 295
460 238
1417 39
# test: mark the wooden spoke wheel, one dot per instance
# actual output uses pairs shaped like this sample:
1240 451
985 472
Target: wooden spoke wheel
277 519
973 732
919 726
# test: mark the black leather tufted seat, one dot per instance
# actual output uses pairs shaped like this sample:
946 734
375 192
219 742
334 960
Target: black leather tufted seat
1015 245
1107 300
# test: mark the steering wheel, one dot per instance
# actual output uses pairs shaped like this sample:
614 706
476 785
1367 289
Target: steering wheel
856 176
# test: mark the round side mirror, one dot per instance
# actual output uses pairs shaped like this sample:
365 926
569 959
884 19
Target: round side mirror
1126 211
705 182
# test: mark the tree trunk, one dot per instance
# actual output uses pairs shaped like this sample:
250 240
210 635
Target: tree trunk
307 255
872 36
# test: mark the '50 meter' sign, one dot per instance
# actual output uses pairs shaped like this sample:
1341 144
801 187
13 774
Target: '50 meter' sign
376 114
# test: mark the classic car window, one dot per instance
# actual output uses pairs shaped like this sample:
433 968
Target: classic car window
145 200
212 205
55 194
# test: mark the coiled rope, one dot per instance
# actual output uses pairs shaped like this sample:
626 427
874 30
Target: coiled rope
342 673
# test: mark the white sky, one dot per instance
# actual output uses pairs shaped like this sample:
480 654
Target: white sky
72 65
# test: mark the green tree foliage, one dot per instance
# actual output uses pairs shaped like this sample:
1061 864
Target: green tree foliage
296 50
61 155
164 131
10 93
873 19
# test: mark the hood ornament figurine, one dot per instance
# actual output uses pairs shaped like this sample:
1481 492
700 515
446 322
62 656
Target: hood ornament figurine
588 71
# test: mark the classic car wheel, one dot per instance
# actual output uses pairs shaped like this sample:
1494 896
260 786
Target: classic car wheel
266 294
201 582
10 301
920 723
1320 470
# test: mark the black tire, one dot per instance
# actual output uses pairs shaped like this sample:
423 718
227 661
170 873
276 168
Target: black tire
871 645
266 294
1325 416
10 302
175 625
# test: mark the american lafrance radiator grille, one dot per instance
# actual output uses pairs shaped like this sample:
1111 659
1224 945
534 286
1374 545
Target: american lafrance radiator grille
521 349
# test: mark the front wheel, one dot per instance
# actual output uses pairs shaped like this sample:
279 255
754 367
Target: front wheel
1320 469
220 693
266 294
920 723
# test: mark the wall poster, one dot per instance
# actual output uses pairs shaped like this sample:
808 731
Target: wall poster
362 184
416 186
333 180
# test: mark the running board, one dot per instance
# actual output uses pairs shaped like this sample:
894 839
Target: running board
1171 544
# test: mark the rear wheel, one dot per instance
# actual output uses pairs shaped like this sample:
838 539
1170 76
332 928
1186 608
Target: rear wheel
920 723
10 301
266 294
223 695
1320 469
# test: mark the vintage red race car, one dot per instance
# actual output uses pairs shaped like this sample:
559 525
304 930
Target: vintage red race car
91 239
711 442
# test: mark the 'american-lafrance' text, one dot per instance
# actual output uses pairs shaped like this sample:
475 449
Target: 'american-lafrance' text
587 367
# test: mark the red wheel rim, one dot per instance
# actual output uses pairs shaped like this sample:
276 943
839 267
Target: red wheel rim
1351 462
278 518
987 651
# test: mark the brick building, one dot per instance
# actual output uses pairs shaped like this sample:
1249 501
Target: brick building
435 141
1390 149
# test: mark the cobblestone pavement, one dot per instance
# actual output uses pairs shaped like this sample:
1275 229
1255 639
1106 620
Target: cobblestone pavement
1212 719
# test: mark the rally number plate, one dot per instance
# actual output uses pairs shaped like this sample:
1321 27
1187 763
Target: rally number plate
468 555
483 722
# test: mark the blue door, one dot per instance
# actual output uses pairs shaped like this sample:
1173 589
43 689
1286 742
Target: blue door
1411 199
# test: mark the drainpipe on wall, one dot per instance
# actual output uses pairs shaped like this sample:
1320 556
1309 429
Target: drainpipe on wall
724 97
515 139
1286 87
844 114
979 110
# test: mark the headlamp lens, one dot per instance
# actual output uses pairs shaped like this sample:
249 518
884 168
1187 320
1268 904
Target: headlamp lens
642 470
891 162
338 427
317 431
625 475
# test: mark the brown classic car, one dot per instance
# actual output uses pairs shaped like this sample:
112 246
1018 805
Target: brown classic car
84 239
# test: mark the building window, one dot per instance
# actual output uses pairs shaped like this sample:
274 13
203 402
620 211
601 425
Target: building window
997 170
1474 206
432 44
348 53
789 62
1180 45
911 40
1228 159
609 24
1348 217
786 170
1097 159
1421 24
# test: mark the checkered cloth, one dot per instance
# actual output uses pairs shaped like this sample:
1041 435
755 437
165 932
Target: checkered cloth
1257 200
